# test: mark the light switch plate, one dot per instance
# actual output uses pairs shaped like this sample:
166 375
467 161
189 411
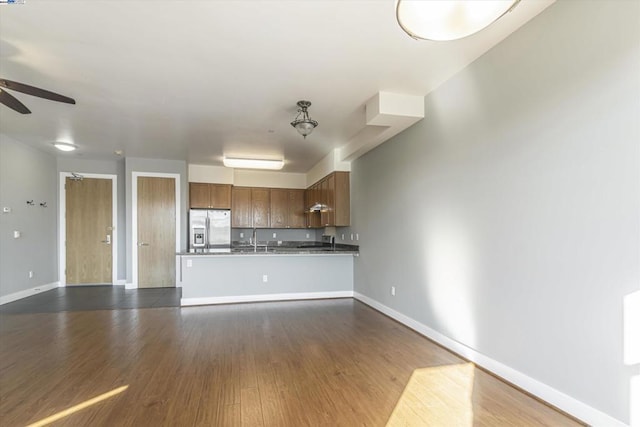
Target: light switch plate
6 209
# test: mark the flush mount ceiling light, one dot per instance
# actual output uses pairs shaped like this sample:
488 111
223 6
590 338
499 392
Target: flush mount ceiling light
303 123
231 162
64 146
451 19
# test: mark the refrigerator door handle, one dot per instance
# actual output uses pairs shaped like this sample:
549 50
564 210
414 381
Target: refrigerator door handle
206 232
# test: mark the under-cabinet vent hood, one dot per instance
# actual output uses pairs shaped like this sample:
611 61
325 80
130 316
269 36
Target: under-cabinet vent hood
319 207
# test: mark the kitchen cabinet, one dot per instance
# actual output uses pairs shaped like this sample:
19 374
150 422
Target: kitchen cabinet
250 207
287 208
311 197
260 207
209 196
296 209
333 193
241 214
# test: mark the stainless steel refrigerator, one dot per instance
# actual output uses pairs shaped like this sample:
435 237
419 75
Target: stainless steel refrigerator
209 230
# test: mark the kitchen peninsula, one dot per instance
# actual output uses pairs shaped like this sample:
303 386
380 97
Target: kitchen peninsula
265 273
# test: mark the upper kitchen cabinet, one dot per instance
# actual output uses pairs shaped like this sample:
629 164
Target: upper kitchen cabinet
260 207
331 195
209 196
287 208
241 215
250 207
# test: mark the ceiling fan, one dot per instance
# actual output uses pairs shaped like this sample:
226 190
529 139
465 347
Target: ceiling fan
12 102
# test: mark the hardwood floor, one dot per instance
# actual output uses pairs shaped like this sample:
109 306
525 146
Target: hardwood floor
300 363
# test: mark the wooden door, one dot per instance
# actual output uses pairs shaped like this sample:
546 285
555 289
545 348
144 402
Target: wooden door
89 226
199 195
279 208
156 232
260 206
241 207
296 209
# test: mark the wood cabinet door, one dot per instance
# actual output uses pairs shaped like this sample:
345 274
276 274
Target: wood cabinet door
220 196
342 199
260 206
327 217
241 215
198 195
279 208
296 216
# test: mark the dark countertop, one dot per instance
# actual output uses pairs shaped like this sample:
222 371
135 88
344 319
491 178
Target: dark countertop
272 248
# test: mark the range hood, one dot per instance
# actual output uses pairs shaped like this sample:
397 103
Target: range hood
319 207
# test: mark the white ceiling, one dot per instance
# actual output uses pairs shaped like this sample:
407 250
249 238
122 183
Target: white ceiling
193 80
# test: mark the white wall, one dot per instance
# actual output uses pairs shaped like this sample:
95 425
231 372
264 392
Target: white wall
508 219
27 174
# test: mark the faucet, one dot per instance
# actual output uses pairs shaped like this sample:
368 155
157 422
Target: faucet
254 237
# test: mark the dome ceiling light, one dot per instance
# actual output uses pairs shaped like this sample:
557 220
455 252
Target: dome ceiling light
303 123
451 19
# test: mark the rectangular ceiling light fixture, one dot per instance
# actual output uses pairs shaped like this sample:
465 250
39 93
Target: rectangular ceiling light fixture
231 162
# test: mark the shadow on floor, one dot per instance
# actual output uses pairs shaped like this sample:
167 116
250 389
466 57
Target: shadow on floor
87 298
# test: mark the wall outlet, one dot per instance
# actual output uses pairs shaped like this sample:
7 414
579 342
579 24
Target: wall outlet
31 275
357 236
274 235
16 234
265 278
6 209
241 235
189 263
307 235
352 237
393 291
342 236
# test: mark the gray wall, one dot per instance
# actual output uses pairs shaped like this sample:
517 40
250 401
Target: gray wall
241 275
27 174
282 234
508 219
111 167
134 164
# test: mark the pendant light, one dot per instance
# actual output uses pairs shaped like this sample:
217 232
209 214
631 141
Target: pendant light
451 19
303 123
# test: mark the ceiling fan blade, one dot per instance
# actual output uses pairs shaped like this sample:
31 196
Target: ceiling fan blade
35 91
11 102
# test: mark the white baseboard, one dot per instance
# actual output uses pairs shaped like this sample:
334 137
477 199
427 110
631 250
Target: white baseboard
130 286
27 293
554 397
120 282
266 297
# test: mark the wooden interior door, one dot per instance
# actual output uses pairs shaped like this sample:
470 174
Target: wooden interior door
89 231
156 232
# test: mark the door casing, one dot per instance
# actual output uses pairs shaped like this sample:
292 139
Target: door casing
134 218
62 225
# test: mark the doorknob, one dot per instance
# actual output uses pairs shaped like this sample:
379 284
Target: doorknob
108 241
143 244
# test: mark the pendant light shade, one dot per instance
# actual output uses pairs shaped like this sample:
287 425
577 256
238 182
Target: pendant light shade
449 20
303 123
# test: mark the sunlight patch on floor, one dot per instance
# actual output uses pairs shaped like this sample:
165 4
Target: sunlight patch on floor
438 396
79 407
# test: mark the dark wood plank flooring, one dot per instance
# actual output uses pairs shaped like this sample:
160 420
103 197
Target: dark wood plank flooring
295 363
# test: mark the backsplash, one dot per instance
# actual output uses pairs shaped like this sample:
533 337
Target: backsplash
282 234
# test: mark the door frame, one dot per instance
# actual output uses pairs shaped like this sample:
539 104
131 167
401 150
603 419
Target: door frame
62 225
134 218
